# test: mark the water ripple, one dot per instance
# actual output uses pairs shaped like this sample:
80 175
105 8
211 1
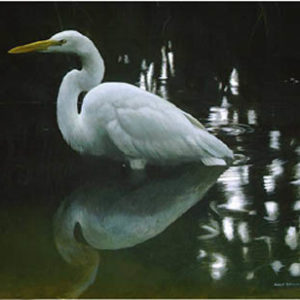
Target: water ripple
240 159
230 129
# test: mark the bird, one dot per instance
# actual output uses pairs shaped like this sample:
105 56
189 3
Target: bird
122 121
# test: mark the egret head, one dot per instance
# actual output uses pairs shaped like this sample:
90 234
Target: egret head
69 41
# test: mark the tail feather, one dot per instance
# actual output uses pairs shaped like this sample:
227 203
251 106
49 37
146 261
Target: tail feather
212 161
214 151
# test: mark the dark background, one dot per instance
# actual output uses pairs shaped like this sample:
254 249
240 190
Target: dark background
260 39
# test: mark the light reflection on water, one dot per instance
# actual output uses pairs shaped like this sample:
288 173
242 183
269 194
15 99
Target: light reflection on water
154 231
274 171
147 78
234 82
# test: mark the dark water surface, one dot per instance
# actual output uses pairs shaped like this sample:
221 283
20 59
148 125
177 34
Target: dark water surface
76 226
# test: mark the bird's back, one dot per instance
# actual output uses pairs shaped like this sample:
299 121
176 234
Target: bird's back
142 125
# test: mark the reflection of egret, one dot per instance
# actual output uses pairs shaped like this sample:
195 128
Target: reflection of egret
120 120
81 256
119 216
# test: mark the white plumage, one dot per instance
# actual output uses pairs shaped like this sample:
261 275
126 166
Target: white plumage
121 121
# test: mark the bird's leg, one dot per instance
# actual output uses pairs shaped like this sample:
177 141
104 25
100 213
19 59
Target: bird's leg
137 163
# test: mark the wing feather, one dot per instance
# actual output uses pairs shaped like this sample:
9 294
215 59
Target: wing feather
143 125
163 136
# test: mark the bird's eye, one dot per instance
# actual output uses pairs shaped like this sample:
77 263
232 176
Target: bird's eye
61 42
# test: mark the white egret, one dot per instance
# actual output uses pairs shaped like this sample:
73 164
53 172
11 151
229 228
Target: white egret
122 121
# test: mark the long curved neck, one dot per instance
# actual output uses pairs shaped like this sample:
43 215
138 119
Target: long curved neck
75 82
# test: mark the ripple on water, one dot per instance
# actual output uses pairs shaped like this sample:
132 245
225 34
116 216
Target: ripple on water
240 159
237 211
230 129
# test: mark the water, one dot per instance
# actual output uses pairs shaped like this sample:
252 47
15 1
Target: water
76 226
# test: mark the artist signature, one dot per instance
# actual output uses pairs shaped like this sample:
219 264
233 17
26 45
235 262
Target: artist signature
286 284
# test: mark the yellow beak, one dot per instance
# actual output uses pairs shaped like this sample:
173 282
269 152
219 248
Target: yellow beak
36 46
